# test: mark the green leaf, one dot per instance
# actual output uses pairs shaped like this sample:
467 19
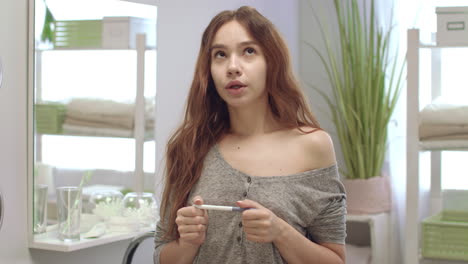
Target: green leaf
48 28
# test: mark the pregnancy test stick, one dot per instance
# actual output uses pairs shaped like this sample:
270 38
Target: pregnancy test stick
220 208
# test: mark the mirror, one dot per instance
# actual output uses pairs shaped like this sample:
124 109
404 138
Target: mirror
93 94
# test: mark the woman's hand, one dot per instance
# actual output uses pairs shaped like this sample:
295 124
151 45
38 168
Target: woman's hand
191 223
260 225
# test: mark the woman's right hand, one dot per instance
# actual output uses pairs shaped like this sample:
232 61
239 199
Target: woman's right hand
192 222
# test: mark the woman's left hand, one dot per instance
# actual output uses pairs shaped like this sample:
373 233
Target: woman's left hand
260 224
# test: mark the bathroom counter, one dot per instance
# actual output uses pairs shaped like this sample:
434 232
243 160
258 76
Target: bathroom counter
49 241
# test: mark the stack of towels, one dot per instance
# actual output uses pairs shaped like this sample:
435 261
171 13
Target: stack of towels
444 119
99 117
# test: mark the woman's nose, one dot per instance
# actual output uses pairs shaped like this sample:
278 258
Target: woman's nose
234 67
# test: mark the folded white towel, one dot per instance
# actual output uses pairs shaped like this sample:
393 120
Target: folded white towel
150 109
105 111
120 114
428 130
100 106
69 120
445 110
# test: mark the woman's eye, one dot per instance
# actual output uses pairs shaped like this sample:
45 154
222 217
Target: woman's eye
249 51
219 54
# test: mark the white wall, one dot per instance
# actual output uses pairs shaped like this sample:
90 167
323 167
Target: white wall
180 26
13 234
311 70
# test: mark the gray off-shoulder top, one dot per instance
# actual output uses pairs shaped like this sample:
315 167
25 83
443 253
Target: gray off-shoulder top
313 202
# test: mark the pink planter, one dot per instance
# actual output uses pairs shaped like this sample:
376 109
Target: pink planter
368 196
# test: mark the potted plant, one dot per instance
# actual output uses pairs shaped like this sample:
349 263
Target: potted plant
365 86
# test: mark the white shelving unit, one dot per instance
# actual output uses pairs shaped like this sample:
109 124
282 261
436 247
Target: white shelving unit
416 210
48 240
379 235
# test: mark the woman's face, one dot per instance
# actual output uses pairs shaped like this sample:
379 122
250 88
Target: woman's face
238 66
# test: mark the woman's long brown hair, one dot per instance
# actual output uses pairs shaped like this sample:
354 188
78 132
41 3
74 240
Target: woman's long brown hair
206 115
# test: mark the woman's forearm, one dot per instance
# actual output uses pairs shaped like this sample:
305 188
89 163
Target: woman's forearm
295 248
177 252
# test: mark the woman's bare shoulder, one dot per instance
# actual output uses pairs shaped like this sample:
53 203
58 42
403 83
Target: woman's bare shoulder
318 145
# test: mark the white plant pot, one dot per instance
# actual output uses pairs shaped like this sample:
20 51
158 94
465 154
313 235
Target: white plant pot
367 196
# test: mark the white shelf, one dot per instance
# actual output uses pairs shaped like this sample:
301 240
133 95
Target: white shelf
379 234
436 46
365 218
356 254
49 241
80 48
149 136
418 209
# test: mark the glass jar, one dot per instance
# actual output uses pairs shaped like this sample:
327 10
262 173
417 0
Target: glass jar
105 196
141 206
106 203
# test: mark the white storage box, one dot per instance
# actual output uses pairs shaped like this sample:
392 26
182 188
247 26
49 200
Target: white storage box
452 25
120 32
455 200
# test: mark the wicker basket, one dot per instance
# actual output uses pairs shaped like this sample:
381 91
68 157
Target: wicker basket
445 236
49 118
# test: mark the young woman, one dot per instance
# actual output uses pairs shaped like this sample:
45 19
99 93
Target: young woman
249 140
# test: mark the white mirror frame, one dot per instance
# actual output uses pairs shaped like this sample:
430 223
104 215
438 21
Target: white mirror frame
30 124
1 207
1 74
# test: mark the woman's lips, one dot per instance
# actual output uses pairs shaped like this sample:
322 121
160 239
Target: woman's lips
236 91
235 85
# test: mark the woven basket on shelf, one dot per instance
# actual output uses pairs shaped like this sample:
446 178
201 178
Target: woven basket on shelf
78 34
49 118
445 236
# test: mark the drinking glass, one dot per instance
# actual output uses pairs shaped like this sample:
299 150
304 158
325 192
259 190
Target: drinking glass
40 208
69 213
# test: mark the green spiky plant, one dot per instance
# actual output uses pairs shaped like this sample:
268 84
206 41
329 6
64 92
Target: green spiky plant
365 80
48 28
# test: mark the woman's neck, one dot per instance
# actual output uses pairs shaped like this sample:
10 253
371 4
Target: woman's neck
252 120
